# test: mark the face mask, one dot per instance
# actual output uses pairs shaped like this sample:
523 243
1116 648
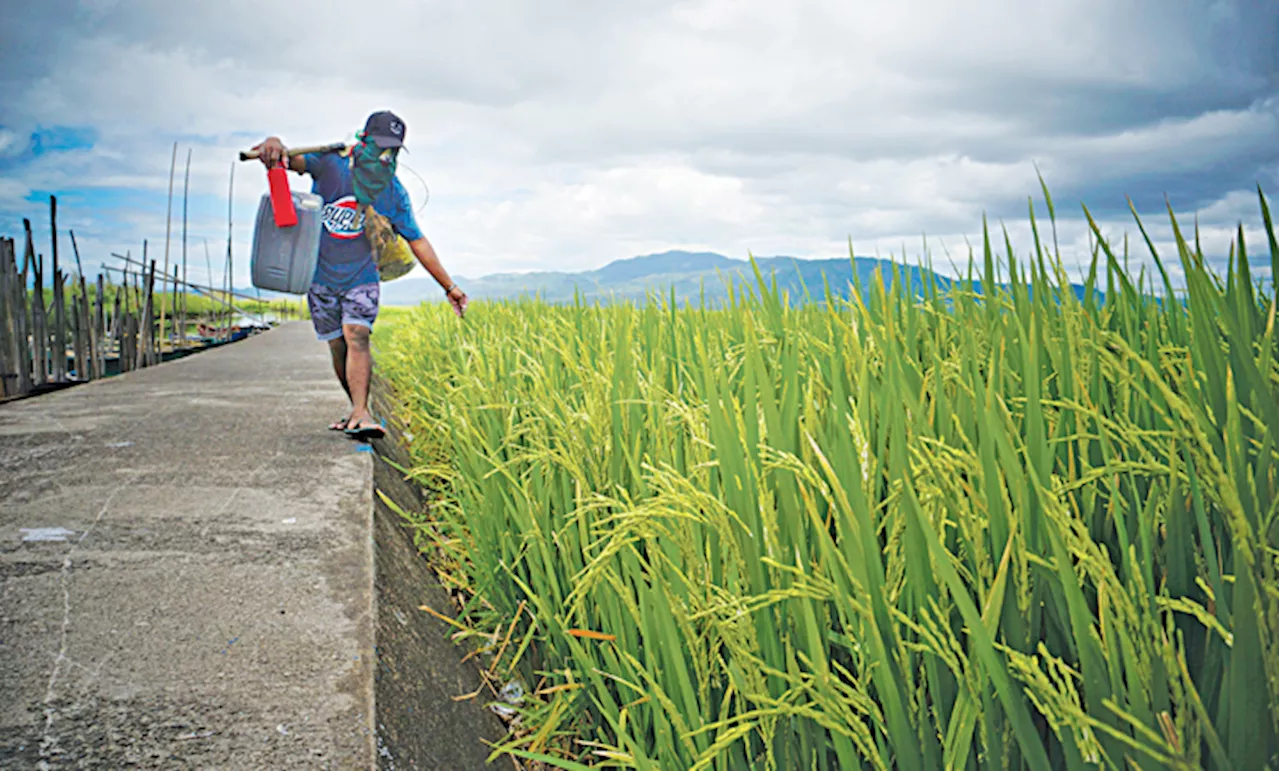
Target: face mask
372 170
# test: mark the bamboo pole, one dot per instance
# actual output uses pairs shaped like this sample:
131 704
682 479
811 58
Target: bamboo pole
76 333
226 293
39 330
85 356
140 341
40 322
229 272
9 362
133 297
129 340
144 318
117 319
208 292
59 342
143 352
86 348
19 303
208 289
175 346
208 271
123 325
168 220
8 331
100 329
153 334
186 183
224 299
14 297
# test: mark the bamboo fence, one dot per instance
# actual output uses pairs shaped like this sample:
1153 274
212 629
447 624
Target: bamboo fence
58 328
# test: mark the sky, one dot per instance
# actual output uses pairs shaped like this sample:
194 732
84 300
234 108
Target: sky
558 135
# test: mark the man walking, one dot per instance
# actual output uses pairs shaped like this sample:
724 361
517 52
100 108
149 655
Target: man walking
344 294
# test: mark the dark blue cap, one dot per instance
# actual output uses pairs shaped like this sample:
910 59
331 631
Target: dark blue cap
385 129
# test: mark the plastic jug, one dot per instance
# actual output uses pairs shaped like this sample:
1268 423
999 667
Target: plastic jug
284 259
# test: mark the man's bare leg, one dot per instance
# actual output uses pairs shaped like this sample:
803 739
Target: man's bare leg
338 352
359 371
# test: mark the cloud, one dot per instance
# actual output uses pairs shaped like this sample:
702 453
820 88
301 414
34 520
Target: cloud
561 135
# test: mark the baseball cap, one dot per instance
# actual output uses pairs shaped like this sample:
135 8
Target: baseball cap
385 129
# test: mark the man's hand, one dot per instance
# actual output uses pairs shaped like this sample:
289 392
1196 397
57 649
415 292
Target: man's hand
271 152
426 255
458 299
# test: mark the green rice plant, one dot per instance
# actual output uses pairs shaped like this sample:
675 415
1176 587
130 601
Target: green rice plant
1000 524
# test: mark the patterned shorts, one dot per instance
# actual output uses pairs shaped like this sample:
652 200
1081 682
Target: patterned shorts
330 308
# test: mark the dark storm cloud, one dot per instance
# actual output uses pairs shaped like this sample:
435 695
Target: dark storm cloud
557 133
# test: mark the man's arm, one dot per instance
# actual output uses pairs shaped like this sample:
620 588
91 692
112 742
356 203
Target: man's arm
426 255
272 151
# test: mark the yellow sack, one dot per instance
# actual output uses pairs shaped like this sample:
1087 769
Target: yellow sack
390 251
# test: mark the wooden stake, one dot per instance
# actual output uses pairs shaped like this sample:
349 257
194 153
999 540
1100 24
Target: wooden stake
39 332
59 300
208 291
18 302
153 342
58 345
100 330
117 317
168 219
9 362
86 349
122 325
144 314
76 333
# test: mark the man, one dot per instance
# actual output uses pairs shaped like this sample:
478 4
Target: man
344 294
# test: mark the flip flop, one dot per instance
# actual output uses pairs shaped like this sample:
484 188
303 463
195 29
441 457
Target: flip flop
366 432
340 424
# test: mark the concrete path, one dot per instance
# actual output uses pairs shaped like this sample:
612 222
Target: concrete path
186 568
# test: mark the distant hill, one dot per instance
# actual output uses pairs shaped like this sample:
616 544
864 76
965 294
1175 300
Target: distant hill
691 274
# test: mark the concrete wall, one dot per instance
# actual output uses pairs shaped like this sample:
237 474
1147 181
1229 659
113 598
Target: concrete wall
419 669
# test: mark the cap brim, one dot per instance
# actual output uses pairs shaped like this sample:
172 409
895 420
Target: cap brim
387 142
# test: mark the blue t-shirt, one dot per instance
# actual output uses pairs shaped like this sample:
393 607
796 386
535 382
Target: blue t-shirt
346 259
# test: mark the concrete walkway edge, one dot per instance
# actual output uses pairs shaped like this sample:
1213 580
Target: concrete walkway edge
195 573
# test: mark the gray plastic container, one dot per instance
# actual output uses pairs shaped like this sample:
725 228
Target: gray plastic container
284 259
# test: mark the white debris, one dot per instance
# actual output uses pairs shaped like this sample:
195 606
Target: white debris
512 692
503 711
46 533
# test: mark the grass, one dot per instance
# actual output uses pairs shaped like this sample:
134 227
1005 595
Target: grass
1019 529
197 303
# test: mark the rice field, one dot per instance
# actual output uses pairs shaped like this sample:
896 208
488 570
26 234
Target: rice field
1022 527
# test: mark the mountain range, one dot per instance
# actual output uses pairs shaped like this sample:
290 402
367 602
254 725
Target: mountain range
692 275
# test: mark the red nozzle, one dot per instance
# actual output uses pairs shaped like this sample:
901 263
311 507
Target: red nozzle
281 198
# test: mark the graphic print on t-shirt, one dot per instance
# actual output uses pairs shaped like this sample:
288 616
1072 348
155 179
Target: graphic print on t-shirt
346 257
343 218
